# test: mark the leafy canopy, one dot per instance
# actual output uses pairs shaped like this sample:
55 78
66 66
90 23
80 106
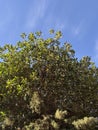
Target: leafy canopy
41 76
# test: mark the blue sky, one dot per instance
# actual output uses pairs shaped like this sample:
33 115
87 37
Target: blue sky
77 19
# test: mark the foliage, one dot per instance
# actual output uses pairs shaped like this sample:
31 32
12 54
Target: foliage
43 85
87 123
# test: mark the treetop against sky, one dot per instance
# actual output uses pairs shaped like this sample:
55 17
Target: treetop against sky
78 21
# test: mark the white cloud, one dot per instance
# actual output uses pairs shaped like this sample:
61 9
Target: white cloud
76 30
6 16
95 56
36 12
59 26
96 50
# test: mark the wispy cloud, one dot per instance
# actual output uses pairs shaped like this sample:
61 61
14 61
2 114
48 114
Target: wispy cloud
96 50
77 29
6 16
59 26
35 13
95 54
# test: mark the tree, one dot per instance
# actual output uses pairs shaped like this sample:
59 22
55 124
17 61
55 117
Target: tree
41 77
